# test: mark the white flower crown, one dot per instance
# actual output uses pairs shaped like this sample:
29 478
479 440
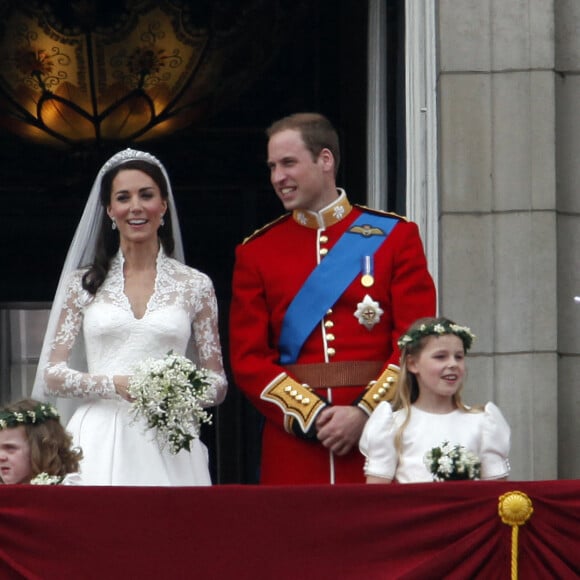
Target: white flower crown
39 414
437 328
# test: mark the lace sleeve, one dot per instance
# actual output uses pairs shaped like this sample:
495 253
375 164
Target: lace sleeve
205 336
60 379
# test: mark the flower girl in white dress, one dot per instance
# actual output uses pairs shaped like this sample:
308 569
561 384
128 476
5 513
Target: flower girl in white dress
126 295
418 436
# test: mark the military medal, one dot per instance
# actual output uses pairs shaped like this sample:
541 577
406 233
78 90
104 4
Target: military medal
368 312
367 279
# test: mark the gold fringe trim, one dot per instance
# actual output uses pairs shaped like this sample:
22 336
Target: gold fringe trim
515 509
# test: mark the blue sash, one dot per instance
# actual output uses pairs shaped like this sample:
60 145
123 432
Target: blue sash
329 280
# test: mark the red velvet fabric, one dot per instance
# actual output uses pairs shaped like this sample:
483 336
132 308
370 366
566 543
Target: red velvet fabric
418 531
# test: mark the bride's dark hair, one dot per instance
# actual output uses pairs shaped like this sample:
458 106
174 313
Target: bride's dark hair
108 240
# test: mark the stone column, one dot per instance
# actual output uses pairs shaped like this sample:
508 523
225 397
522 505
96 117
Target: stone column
498 217
568 205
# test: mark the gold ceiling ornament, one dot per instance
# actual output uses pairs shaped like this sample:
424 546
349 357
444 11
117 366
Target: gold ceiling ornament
86 71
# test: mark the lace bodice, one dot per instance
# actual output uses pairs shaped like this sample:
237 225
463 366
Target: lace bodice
181 316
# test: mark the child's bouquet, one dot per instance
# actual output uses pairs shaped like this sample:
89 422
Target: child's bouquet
452 462
45 479
170 394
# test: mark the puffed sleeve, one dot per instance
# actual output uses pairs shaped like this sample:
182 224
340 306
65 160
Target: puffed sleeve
495 444
377 443
72 479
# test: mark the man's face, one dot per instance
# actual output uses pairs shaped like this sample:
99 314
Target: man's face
300 181
14 456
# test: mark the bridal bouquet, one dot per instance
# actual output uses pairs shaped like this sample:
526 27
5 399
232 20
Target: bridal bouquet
170 394
452 462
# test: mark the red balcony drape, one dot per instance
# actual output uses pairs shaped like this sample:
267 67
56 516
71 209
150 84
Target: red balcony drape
437 530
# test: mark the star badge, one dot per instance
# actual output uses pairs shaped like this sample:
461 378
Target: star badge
368 312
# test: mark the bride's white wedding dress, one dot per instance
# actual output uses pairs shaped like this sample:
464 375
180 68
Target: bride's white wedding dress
181 316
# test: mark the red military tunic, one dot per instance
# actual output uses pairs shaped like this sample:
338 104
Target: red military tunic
271 266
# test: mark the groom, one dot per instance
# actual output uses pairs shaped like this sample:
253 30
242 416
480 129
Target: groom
320 297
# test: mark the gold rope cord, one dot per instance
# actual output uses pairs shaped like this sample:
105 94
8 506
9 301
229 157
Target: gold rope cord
515 509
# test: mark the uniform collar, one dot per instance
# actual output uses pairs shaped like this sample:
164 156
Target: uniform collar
327 216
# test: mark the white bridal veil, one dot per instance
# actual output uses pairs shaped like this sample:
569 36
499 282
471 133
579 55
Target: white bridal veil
81 254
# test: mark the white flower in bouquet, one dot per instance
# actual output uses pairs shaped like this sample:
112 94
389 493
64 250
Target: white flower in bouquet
171 395
452 462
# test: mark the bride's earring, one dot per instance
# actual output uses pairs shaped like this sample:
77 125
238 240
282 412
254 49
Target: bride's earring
162 221
113 224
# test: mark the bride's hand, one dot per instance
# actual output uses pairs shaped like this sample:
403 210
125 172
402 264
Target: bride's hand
121 382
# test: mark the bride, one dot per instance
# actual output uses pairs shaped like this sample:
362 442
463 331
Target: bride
122 298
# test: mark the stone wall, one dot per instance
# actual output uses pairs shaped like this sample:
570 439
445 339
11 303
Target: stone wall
509 145
567 50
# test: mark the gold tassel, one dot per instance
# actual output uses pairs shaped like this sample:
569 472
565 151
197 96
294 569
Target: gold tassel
515 509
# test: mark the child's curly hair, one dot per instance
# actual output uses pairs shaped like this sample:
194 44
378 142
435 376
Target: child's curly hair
51 448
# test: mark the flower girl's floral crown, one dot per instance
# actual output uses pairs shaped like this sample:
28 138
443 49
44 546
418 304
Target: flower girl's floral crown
437 328
39 414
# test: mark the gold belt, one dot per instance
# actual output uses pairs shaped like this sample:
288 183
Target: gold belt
336 374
